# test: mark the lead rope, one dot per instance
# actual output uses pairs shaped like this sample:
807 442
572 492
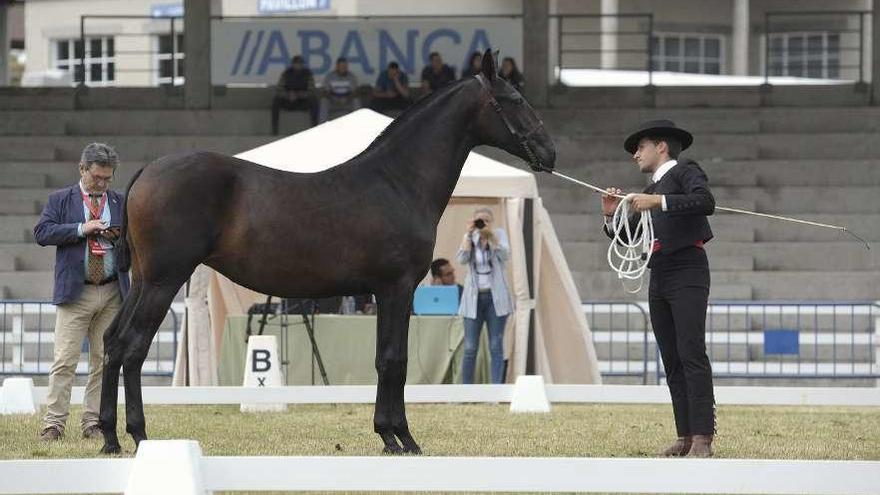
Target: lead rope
629 256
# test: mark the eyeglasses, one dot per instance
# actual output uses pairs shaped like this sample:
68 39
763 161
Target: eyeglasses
98 178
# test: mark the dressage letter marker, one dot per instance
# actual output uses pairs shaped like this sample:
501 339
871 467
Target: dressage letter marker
17 396
262 369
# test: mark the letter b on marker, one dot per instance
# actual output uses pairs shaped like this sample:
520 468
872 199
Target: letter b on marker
260 361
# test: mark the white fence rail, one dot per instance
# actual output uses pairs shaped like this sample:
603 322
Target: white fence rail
610 394
175 466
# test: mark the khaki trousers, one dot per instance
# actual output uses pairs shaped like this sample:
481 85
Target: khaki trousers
87 317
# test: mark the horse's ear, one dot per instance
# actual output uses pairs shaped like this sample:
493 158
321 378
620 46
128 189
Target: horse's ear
490 68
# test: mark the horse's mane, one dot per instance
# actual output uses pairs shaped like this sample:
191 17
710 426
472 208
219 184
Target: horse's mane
414 109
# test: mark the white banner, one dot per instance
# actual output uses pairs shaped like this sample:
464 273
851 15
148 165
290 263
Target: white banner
257 51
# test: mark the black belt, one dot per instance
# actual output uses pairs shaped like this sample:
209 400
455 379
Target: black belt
103 282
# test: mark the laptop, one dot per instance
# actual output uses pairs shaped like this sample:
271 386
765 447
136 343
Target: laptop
436 300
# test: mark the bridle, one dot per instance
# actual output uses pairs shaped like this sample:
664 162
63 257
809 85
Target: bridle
523 139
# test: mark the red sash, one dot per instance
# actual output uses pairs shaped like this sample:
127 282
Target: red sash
94 246
656 246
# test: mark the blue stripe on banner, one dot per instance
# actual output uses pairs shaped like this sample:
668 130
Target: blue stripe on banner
241 49
257 44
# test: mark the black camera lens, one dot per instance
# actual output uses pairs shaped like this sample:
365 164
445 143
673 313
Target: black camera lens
479 223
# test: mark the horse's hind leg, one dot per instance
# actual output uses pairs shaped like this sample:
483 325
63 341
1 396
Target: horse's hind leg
389 419
152 306
110 378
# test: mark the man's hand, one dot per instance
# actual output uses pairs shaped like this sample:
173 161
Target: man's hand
93 227
609 202
645 202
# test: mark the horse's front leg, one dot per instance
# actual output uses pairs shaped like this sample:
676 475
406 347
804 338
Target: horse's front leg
389 420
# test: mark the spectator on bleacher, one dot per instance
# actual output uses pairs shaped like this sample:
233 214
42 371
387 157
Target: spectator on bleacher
391 91
443 273
82 220
486 297
295 91
510 73
436 74
339 91
475 67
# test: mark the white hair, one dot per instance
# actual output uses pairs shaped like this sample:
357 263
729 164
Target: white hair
99 154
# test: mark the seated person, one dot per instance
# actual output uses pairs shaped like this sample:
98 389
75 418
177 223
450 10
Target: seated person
475 67
443 273
295 91
436 74
339 91
391 91
510 73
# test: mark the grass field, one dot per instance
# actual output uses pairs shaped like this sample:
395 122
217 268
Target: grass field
478 430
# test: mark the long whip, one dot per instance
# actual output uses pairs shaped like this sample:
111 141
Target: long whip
733 210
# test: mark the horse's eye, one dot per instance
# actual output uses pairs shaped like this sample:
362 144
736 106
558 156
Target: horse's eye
519 101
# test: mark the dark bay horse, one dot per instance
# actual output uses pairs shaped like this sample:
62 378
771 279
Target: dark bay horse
366 226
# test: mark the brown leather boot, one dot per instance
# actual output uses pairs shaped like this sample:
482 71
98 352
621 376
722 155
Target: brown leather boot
678 449
701 446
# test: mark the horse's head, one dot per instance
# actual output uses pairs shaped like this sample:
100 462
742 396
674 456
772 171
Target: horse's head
506 120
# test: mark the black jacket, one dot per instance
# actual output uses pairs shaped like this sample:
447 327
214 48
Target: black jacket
688 201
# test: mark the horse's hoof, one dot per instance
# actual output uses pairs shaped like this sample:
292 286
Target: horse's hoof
392 450
413 450
111 449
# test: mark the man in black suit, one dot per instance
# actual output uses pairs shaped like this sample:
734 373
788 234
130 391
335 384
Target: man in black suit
679 200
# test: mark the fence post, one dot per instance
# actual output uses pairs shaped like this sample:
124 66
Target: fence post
18 343
861 48
82 41
877 344
767 48
650 50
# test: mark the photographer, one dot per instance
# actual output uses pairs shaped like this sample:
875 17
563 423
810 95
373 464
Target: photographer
486 295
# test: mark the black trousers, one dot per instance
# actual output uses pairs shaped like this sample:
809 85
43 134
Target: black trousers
678 296
308 104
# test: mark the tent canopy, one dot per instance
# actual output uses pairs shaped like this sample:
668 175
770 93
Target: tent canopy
339 140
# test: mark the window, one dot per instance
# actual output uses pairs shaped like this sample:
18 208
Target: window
815 55
169 60
694 53
100 60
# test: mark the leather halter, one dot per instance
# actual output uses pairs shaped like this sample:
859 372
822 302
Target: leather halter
523 139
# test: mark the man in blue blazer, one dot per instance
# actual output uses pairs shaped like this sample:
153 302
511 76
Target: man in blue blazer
82 220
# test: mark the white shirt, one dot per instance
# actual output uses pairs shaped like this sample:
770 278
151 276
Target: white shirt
659 173
482 265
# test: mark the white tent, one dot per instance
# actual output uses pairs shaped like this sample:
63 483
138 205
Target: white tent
562 344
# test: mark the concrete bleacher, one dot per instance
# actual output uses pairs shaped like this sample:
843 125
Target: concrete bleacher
815 162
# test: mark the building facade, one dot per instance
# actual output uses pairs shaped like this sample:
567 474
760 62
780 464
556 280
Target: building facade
798 38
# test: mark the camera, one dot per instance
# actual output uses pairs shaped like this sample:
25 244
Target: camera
479 223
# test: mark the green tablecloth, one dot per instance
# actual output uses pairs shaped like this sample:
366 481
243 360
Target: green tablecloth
348 347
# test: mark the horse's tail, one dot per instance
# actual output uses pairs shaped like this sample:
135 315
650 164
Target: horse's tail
123 260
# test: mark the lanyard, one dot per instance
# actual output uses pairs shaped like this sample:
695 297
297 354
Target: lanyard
95 247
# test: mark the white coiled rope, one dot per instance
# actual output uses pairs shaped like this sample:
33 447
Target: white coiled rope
630 249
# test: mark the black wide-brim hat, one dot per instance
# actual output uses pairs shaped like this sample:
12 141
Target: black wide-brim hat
658 128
